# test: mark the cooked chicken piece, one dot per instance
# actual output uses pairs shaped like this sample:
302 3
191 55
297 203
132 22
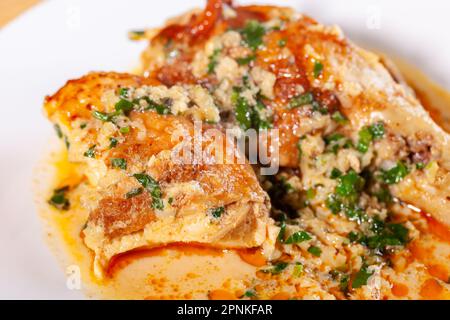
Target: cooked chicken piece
129 134
268 67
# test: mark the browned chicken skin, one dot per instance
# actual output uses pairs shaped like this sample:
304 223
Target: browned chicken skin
300 56
146 198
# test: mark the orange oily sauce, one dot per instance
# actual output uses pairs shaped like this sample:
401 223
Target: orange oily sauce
175 271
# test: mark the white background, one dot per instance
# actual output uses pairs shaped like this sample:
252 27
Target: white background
59 40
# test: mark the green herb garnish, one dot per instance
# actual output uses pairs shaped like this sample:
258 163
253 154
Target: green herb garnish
282 43
134 192
420 165
125 130
249 294
281 234
152 186
246 115
253 34
90 153
301 100
105 117
349 186
112 142
361 277
217 212
298 270
368 134
365 138
395 174
124 106
315 251
119 163
246 60
335 173
59 200
278 268
339 118
213 61
318 69
298 237
58 131
392 234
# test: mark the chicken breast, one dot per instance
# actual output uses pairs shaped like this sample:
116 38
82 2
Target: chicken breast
135 141
269 67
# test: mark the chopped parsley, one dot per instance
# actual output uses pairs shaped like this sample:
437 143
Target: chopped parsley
344 282
333 203
246 60
248 116
152 186
339 118
383 195
134 192
277 268
217 212
334 142
354 213
123 93
90 153
213 61
124 106
335 173
333 138
298 270
58 131
350 185
243 113
249 294
420 165
61 135
365 138
318 69
298 237
377 130
105 117
119 163
315 251
368 134
346 195
125 130
112 142
301 100
361 277
383 235
392 234
395 174
253 34
282 43
281 234
59 199
83 125
319 108
66 142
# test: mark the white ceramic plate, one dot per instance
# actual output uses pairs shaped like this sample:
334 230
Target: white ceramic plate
60 40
